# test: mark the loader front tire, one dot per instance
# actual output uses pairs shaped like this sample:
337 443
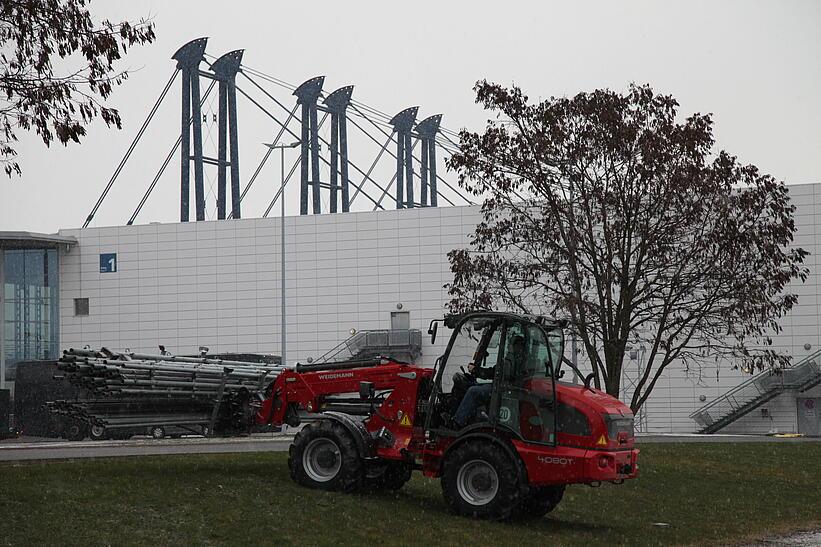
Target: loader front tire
324 456
541 500
480 480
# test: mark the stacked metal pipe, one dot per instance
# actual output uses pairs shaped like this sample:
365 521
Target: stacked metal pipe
113 413
104 374
133 390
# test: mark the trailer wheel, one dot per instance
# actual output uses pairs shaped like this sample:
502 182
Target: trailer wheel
157 432
391 477
97 433
74 431
541 500
324 456
480 480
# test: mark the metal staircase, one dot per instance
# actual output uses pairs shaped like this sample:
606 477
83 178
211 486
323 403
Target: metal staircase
763 387
401 344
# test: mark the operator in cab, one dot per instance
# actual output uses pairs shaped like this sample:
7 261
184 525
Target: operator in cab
479 394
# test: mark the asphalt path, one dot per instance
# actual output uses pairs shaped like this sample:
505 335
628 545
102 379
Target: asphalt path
642 438
52 449
800 539
57 450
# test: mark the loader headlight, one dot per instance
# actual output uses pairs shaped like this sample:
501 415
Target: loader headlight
616 423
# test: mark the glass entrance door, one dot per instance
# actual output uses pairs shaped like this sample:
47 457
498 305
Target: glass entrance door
30 306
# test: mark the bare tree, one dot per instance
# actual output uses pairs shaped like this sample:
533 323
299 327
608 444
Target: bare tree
604 209
58 102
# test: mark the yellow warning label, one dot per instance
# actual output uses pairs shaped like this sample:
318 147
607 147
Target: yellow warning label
405 421
602 441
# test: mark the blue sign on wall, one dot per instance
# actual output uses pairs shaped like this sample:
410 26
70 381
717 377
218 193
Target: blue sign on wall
108 262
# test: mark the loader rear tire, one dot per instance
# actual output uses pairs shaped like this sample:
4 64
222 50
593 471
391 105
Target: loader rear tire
390 477
324 456
480 480
541 500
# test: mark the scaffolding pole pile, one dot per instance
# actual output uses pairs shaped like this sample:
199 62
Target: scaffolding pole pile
131 390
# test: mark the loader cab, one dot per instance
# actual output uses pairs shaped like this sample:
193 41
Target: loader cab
516 358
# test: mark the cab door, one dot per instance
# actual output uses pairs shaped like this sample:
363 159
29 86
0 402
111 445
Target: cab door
476 341
524 400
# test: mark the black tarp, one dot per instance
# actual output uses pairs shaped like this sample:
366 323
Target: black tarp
35 384
5 411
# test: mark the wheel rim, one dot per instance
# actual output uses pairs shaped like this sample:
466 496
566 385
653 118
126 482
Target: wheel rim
477 482
97 430
157 433
322 460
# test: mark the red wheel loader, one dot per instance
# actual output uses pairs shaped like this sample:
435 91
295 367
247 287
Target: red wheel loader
370 424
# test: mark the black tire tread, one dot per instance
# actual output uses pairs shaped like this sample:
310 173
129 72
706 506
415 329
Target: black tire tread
393 478
508 469
541 500
350 475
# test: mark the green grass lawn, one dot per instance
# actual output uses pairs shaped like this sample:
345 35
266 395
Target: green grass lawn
707 493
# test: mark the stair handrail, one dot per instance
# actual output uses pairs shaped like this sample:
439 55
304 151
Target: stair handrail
769 371
349 342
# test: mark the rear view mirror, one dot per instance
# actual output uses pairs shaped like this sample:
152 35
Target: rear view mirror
434 326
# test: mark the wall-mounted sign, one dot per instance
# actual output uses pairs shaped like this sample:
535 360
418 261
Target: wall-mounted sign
108 262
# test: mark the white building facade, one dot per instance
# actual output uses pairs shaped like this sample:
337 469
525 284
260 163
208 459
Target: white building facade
217 284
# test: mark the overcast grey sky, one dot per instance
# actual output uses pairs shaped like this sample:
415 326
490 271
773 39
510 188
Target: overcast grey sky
754 65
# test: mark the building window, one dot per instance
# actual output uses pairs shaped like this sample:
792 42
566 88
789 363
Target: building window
81 306
30 306
400 320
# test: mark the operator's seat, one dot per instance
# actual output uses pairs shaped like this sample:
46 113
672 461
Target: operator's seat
536 410
530 422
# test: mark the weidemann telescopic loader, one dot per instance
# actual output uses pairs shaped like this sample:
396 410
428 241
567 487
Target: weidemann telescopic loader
372 423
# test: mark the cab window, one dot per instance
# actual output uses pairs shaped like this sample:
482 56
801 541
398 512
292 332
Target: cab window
477 343
525 401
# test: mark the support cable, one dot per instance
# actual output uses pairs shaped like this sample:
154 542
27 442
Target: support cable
325 142
393 180
167 160
440 179
291 172
375 111
517 194
265 157
458 147
130 149
288 179
265 110
373 165
356 106
281 188
386 148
